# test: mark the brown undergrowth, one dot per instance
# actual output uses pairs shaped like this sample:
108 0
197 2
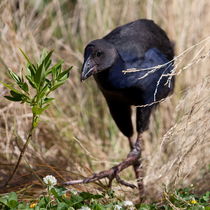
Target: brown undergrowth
77 135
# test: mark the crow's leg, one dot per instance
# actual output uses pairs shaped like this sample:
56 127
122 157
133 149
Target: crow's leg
137 165
131 143
142 124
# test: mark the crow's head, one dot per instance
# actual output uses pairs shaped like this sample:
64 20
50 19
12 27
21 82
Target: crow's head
99 55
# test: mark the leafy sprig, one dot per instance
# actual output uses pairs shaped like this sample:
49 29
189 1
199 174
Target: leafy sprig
34 88
41 79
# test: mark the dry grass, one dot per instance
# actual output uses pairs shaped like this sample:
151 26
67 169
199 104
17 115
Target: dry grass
77 134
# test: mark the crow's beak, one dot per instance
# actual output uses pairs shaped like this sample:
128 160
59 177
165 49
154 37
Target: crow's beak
88 69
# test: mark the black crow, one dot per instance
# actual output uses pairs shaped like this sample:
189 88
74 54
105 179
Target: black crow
144 48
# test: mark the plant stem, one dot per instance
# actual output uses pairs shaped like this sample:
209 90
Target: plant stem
23 150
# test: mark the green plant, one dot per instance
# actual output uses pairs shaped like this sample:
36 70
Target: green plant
68 27
10 201
34 88
58 197
184 198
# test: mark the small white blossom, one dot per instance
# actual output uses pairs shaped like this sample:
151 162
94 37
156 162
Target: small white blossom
127 203
84 208
117 207
50 180
74 192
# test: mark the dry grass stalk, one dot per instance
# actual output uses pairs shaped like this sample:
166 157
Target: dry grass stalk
177 146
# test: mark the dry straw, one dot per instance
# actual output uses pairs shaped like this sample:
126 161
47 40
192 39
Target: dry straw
78 132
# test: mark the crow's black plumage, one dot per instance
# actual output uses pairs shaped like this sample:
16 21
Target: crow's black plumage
139 45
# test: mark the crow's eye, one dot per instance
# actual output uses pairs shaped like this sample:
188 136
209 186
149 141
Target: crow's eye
98 54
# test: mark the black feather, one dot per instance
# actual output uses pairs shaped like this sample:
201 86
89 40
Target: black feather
141 45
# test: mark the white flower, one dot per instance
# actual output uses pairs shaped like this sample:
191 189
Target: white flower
50 180
84 208
74 192
117 207
127 203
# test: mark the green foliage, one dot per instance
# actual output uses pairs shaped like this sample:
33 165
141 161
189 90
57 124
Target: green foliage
35 86
10 201
183 198
62 199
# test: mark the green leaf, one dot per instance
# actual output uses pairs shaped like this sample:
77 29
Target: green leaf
45 107
14 94
75 199
24 86
58 193
56 85
146 207
31 82
98 207
23 206
12 196
43 201
26 57
13 203
59 190
61 206
45 62
10 86
12 200
88 196
44 91
57 70
19 96
39 74
31 70
206 197
48 100
47 59
64 74
54 68
12 98
38 110
4 201
14 76
30 66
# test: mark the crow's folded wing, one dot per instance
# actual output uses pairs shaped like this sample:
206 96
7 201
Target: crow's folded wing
154 77
134 39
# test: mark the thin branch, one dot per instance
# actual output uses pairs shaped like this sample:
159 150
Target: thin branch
22 151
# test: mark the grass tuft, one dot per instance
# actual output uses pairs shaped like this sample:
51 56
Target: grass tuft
77 135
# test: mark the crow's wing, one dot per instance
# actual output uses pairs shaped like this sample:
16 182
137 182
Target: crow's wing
154 77
155 81
151 82
134 39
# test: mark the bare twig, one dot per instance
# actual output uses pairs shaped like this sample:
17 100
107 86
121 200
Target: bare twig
22 151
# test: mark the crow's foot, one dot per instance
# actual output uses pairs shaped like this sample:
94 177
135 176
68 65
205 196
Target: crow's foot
133 159
112 173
